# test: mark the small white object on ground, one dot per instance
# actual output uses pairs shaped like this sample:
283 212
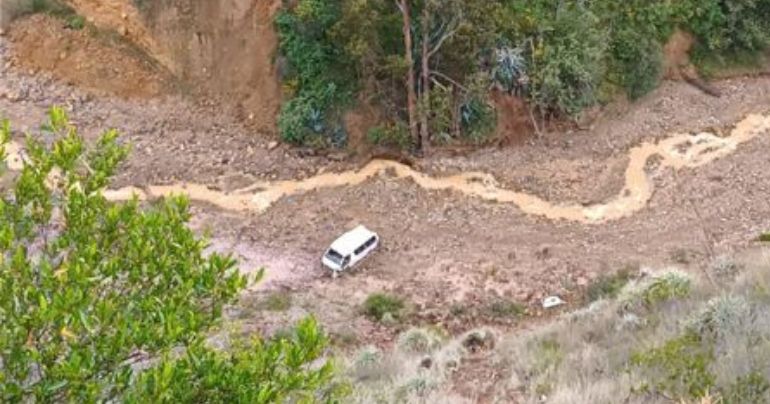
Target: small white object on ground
552 301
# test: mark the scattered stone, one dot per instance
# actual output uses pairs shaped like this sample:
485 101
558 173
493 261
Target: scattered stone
272 145
552 301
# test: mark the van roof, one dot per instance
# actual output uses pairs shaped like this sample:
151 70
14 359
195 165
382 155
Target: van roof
351 240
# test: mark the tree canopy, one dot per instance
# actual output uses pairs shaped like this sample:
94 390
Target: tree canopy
92 291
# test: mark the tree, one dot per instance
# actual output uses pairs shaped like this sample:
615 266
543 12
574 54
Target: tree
88 289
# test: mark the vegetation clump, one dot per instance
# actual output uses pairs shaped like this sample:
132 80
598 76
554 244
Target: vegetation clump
379 305
608 286
431 66
98 299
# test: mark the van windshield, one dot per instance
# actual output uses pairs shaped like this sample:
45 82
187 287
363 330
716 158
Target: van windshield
334 256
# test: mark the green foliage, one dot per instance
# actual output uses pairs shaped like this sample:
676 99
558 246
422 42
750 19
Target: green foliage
764 237
86 284
728 25
668 286
76 22
561 56
259 371
378 305
55 8
320 70
678 369
568 60
390 136
637 61
753 388
608 286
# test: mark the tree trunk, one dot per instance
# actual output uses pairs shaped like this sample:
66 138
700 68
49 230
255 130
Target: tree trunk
405 7
425 96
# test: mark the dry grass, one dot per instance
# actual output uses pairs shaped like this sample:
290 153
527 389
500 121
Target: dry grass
587 356
595 345
417 370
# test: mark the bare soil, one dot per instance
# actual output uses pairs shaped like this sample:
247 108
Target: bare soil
100 61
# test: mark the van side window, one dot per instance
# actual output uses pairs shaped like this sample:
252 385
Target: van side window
371 241
359 250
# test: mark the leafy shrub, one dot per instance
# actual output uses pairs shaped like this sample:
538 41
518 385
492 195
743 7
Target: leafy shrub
396 135
637 60
321 73
263 372
679 368
726 26
76 22
608 286
752 388
721 315
665 287
503 308
86 284
478 119
419 340
725 266
378 305
568 61
764 237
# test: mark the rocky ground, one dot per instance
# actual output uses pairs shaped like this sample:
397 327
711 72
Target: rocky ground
449 256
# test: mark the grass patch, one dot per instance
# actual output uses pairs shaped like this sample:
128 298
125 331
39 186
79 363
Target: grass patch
713 65
608 286
378 305
277 301
503 308
764 238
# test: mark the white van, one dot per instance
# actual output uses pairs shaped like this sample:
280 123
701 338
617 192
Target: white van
350 249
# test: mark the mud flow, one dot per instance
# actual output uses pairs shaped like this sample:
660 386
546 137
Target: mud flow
676 152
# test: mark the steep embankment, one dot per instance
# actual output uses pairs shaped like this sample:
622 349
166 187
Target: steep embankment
223 49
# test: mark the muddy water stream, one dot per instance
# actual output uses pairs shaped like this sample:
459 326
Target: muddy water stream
676 152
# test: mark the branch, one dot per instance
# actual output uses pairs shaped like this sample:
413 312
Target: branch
449 79
400 6
445 32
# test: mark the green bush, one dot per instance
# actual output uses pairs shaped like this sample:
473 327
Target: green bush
668 286
76 22
679 368
322 73
752 388
273 371
608 286
86 285
378 305
726 26
638 61
390 136
764 237
569 60
504 308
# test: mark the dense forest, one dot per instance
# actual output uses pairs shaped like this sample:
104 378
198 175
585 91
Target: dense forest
430 66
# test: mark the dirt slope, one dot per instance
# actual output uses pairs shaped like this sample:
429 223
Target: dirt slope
221 49
95 60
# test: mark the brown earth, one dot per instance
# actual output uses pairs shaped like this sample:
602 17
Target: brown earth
97 60
222 50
